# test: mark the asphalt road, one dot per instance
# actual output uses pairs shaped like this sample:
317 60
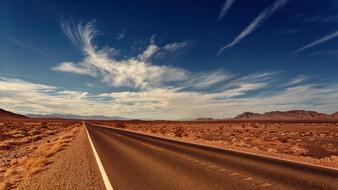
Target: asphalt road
135 161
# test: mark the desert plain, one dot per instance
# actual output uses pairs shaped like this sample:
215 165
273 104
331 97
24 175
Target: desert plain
29 147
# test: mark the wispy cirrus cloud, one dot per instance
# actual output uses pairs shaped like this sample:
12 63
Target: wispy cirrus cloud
172 47
316 42
297 80
258 21
73 68
164 103
32 48
160 91
226 7
322 12
136 72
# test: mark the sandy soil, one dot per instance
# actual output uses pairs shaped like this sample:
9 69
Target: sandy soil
32 148
310 142
74 168
27 147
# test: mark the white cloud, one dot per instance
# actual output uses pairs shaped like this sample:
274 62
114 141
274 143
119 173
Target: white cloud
136 72
259 20
159 91
26 97
164 103
317 42
149 52
176 46
207 80
226 7
71 67
298 79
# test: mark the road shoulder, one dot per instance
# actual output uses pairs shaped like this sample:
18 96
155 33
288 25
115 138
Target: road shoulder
73 168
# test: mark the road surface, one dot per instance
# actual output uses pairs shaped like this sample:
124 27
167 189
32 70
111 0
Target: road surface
136 161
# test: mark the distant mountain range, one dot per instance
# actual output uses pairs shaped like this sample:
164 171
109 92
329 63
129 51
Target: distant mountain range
287 115
4 114
72 116
205 119
273 115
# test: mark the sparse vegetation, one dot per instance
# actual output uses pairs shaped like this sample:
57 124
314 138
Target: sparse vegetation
120 125
28 147
179 132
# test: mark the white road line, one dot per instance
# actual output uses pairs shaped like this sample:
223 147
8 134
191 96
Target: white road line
98 161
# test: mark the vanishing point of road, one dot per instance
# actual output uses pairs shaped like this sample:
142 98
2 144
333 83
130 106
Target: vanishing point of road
137 161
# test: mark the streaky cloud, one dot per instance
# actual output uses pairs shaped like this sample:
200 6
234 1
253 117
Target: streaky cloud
258 21
226 7
30 47
317 42
164 103
297 80
137 72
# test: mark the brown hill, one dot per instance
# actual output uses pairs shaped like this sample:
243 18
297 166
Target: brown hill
287 115
10 115
335 115
248 115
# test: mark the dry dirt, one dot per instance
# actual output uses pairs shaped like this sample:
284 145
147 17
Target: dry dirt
310 142
42 154
73 169
28 147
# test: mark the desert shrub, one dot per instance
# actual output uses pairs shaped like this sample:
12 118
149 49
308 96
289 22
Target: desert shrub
179 132
4 146
284 140
272 150
120 125
44 125
298 150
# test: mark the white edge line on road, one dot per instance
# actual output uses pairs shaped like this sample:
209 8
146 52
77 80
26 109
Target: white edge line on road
227 149
99 163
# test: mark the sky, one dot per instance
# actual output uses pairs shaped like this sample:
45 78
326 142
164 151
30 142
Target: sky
168 59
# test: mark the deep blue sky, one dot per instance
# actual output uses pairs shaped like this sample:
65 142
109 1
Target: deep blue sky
293 42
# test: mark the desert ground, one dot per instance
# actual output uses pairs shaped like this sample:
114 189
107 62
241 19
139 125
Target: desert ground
305 141
35 153
28 146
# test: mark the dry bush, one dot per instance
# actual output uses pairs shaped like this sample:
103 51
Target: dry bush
179 132
4 185
299 150
272 150
239 143
22 162
32 164
4 146
120 125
